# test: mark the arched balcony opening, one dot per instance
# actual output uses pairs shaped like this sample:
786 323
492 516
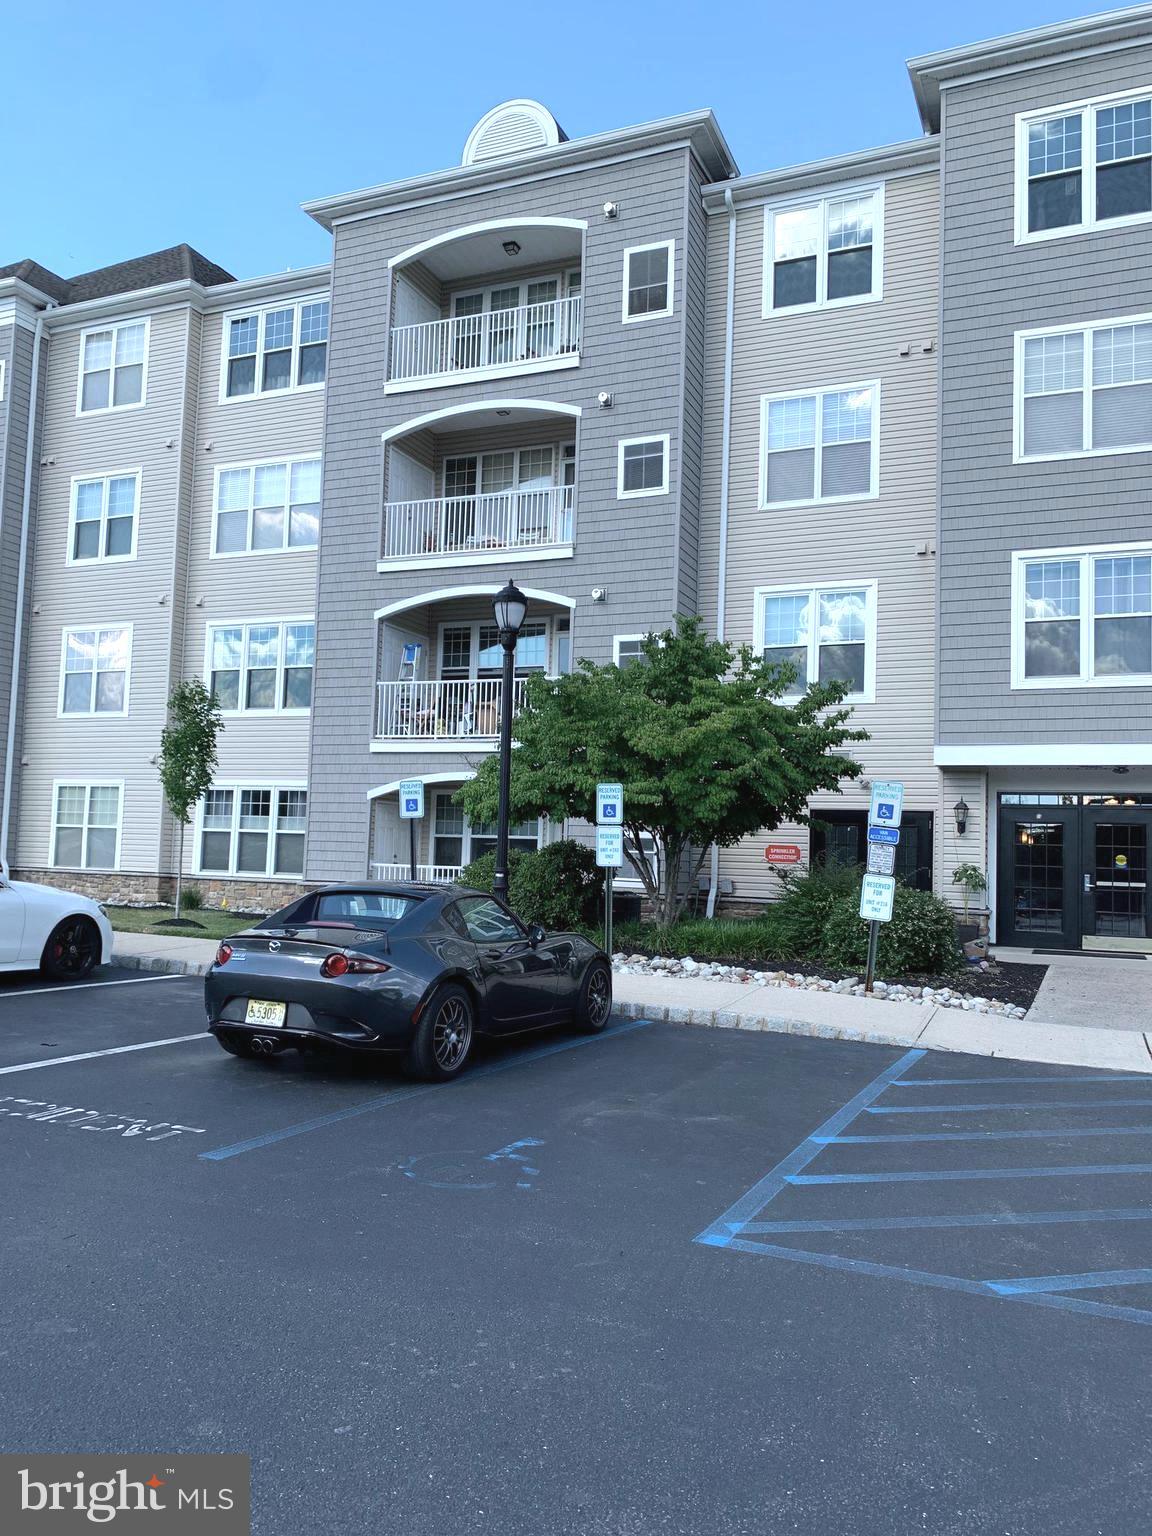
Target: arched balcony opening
487 300
480 485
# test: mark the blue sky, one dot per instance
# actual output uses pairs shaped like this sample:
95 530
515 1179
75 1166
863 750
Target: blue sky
151 124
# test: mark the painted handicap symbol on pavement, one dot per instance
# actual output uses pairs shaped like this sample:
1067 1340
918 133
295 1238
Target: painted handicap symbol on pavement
507 1167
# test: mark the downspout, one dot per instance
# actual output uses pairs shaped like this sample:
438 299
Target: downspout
725 458
21 583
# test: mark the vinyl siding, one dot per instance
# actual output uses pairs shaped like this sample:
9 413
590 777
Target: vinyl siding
990 506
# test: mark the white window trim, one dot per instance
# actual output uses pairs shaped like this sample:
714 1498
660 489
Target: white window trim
652 314
1084 553
137 474
232 873
262 310
87 785
820 390
3 375
811 590
631 442
466 834
823 197
475 626
1087 330
253 464
1089 223
93 714
619 640
114 326
560 277
280 711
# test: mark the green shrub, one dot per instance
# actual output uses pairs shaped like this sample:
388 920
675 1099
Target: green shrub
799 918
744 940
558 885
192 900
920 939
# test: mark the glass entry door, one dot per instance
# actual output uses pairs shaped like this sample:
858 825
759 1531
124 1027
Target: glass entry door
1039 876
1115 876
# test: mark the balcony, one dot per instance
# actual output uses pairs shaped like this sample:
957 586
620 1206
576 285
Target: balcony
456 709
501 339
428 874
468 525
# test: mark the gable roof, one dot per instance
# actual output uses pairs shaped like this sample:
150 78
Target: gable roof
176 264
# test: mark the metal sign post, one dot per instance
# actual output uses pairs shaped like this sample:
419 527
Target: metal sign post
877 894
878 890
609 845
411 811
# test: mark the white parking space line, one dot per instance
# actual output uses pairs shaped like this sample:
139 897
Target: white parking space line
115 1050
81 986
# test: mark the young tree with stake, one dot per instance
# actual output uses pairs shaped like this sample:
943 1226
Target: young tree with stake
187 759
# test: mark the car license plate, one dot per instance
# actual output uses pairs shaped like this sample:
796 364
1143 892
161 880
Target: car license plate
265 1013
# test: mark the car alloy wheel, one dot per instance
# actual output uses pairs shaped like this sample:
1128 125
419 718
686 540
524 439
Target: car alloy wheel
599 997
74 948
451 1034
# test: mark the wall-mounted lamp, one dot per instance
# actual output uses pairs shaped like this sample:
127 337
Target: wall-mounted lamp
511 247
611 210
961 812
604 399
599 594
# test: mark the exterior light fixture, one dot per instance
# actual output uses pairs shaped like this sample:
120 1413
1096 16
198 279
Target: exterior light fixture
961 812
511 247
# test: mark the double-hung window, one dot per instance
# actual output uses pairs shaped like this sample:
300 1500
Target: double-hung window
104 509
270 350
825 634
112 366
821 446
823 251
1084 165
648 280
263 508
642 466
94 671
253 830
262 668
1087 390
1083 616
86 826
456 841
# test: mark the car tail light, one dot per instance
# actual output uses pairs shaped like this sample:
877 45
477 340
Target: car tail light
224 954
356 965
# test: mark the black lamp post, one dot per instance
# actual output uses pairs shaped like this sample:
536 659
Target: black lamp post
509 605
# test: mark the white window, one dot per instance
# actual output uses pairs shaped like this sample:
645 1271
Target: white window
267 351
1084 166
1082 617
3 376
823 446
1087 390
642 466
86 825
266 508
113 367
103 521
94 670
253 830
648 280
263 667
473 650
823 251
826 634
456 841
627 650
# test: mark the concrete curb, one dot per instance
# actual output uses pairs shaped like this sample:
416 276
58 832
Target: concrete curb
941 1030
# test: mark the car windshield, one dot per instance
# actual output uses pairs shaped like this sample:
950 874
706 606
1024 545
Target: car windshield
362 909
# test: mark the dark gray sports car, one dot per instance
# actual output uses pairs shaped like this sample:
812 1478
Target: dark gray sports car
417 969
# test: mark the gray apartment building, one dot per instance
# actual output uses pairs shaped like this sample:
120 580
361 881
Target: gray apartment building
885 416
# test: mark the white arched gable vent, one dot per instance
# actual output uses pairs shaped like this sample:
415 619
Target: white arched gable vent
512 128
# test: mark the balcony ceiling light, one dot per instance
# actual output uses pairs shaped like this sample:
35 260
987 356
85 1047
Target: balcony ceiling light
504 412
511 247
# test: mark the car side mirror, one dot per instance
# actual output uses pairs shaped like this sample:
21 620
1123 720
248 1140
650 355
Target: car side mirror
537 934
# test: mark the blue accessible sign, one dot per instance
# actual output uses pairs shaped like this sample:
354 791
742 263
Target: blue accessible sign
883 834
411 799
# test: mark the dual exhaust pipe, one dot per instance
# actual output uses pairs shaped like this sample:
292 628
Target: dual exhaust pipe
265 1045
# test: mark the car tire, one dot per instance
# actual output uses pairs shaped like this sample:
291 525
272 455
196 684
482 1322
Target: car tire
594 1006
443 1040
72 951
236 1045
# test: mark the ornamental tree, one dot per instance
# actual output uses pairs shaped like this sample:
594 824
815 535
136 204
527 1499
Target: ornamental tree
700 736
187 758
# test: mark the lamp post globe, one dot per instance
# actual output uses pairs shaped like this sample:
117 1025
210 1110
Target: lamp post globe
509 607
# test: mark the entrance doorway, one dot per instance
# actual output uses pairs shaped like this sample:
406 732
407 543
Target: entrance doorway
1073 871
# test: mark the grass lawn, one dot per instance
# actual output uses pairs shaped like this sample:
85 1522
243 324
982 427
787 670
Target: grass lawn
748 940
213 924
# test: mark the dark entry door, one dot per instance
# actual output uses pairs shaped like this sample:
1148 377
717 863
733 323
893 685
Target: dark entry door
1039 876
1115 878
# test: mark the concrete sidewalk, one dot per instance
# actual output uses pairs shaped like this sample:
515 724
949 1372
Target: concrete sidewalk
827 1015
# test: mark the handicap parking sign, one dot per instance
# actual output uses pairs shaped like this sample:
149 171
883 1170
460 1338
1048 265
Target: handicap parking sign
887 804
411 799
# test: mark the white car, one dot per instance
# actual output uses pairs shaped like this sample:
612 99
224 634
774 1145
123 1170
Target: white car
58 932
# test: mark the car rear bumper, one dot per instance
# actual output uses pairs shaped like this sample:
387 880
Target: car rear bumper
355 1018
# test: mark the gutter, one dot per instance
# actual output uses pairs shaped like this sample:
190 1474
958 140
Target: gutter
21 585
725 476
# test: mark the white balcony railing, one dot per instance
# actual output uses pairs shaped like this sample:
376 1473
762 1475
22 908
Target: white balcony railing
522 519
462 709
429 874
496 338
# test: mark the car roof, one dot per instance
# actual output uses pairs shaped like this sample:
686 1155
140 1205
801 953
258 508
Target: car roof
417 890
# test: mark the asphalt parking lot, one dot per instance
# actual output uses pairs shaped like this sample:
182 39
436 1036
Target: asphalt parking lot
664 1280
